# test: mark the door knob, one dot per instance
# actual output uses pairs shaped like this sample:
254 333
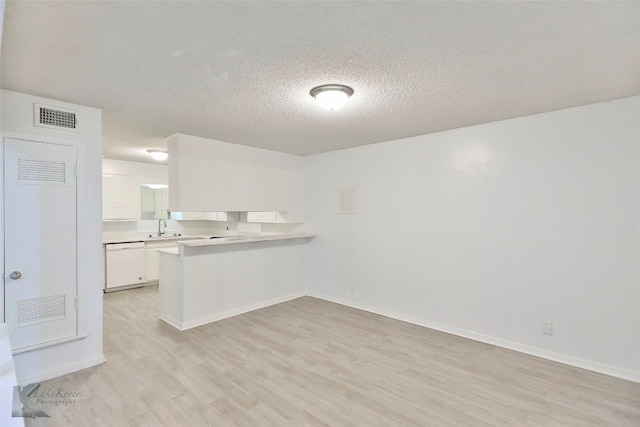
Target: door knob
15 275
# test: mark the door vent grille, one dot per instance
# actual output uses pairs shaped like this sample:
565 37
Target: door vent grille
55 118
32 171
43 309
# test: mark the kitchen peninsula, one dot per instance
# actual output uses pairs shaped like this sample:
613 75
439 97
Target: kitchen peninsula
206 280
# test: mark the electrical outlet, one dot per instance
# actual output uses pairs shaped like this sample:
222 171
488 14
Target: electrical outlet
547 328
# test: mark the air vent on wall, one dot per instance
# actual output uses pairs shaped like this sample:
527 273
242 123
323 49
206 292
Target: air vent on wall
32 171
55 118
43 309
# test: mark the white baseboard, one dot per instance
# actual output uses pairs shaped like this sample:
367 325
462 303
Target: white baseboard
58 371
171 321
182 326
534 351
499 342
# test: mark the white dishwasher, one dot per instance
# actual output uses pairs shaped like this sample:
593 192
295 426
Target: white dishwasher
126 264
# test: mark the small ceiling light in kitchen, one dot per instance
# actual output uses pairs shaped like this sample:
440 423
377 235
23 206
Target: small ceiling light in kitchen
158 154
331 96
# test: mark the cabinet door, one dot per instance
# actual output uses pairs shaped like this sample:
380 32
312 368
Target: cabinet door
217 216
262 217
213 216
110 198
121 198
153 264
153 258
268 216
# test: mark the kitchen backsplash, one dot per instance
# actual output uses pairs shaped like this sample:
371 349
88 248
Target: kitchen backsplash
173 226
194 227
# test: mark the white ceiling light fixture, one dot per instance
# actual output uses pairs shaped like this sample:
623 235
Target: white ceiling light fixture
158 154
331 96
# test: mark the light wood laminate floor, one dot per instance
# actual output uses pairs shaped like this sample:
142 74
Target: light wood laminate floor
309 362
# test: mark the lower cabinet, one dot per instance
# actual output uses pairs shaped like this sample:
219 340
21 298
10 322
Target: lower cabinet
136 263
153 258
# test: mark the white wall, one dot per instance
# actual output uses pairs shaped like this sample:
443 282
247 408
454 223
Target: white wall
17 121
159 173
1 213
1 19
491 230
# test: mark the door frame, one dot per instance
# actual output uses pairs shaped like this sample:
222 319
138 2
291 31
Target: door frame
81 235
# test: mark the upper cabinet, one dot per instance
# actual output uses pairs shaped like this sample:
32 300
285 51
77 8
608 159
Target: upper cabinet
209 175
276 217
121 198
130 198
134 191
264 217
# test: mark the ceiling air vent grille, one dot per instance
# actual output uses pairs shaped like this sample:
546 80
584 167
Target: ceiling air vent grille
55 118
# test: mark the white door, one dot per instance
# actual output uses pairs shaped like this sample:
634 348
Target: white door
40 273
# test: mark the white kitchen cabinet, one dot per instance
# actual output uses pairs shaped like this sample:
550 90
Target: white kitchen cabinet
208 216
153 257
121 198
218 216
265 217
247 178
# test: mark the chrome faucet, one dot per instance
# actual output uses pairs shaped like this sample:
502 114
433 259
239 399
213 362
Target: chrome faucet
160 221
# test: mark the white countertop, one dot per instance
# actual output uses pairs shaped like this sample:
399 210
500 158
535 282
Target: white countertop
202 240
138 237
262 237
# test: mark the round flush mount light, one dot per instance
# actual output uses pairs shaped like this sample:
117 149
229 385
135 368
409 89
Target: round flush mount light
158 154
331 96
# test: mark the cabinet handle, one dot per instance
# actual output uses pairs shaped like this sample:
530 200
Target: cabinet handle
15 275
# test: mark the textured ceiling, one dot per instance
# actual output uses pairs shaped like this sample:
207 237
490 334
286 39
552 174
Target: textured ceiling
241 71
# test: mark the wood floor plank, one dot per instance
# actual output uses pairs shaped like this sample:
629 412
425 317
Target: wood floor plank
309 362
